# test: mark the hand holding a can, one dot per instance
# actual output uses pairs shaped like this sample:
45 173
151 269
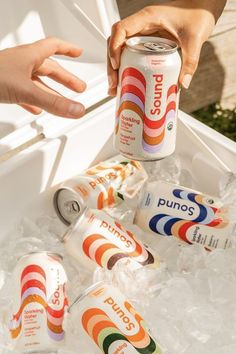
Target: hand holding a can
22 68
190 23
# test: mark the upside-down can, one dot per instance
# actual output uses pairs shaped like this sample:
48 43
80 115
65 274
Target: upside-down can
171 210
111 322
147 99
39 304
104 185
96 239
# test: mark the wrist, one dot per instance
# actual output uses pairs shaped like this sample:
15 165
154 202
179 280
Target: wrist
216 7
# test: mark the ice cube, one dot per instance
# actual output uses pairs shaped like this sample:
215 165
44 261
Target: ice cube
202 321
222 289
191 258
51 224
217 261
186 179
123 212
189 302
175 299
171 338
200 284
168 169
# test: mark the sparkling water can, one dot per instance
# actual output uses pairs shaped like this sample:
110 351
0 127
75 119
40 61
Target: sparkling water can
104 185
113 325
40 302
147 99
96 239
172 210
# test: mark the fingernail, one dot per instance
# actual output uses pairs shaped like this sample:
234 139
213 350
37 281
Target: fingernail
113 63
75 110
186 81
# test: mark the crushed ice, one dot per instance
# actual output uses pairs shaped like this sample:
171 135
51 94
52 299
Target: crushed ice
189 302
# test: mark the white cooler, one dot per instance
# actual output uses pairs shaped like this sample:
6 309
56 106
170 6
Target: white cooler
37 153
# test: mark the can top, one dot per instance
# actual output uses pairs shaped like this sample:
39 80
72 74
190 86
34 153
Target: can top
85 293
52 254
68 205
151 45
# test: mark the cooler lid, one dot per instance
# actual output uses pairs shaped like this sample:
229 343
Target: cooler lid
86 23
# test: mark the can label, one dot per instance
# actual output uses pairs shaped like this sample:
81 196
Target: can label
114 325
133 117
104 183
101 186
105 242
147 104
194 218
37 322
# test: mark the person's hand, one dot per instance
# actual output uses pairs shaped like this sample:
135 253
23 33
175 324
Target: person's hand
21 68
190 23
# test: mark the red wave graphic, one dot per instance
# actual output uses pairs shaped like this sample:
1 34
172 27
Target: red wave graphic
153 142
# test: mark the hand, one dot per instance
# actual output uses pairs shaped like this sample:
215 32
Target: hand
21 69
190 23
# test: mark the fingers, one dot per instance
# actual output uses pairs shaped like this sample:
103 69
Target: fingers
51 46
112 77
145 22
121 30
43 97
117 40
32 109
56 72
191 49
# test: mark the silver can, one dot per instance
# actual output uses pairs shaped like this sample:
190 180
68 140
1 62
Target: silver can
147 99
101 186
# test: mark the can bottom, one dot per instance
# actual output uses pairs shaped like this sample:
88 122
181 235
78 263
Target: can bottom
138 158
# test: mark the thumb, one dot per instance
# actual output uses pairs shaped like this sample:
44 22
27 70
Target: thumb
54 103
190 58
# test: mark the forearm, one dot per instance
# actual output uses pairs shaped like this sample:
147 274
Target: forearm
216 7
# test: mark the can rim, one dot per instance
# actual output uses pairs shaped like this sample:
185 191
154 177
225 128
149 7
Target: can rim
56 207
49 253
129 44
73 225
84 293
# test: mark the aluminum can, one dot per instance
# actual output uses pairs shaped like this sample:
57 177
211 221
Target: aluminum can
111 322
147 99
97 239
39 304
171 210
104 185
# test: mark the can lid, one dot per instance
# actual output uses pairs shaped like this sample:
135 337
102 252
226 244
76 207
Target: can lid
49 253
84 293
152 45
68 205
73 225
